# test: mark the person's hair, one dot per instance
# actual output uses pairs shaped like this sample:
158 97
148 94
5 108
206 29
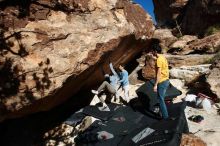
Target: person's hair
121 65
156 45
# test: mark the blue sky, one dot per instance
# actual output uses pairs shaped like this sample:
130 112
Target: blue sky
148 6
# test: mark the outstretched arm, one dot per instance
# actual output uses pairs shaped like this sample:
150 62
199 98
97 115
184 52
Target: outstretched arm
112 69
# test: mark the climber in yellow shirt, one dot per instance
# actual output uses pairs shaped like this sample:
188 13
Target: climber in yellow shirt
162 77
162 68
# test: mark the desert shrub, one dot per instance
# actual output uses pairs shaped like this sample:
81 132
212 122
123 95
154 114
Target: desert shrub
212 29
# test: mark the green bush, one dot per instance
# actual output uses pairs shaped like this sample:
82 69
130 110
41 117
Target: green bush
212 30
178 35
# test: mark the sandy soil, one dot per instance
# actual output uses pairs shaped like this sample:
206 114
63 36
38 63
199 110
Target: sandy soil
209 129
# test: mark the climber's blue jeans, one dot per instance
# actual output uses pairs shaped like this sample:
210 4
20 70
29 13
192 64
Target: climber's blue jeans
161 91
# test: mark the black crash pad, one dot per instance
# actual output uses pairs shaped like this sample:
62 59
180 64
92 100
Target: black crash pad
163 132
148 96
75 119
130 120
137 128
94 111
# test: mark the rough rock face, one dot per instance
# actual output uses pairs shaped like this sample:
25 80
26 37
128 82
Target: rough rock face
165 35
188 60
144 71
182 42
209 44
168 10
194 16
53 49
191 140
65 134
191 45
213 79
199 15
189 73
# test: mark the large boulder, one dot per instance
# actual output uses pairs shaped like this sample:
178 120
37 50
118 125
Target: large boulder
209 44
165 35
176 61
144 71
53 49
166 11
182 42
193 16
191 45
199 15
189 73
191 140
147 67
64 134
213 79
